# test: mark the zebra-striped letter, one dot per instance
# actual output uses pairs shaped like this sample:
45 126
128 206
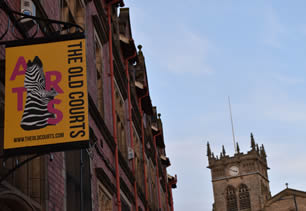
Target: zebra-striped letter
36 114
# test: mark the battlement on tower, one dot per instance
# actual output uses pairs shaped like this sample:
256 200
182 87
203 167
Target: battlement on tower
256 153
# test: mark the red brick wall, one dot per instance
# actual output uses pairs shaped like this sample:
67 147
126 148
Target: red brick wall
15 5
56 168
56 182
53 8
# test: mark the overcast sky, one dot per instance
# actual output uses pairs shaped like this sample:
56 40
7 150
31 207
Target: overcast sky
200 52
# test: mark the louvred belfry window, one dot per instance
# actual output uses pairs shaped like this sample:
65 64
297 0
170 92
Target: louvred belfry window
244 197
231 199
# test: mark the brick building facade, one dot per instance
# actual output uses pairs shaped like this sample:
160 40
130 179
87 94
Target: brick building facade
125 167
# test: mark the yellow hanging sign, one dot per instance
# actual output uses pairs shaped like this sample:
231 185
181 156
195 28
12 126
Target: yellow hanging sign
46 100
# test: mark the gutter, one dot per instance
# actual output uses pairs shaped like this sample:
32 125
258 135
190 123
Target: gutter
126 62
110 42
143 147
157 169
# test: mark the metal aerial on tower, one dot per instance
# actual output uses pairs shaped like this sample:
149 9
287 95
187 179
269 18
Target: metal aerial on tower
231 117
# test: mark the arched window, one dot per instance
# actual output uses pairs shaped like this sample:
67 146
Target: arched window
231 199
244 197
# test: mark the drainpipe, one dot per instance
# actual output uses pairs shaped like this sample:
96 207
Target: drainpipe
157 169
171 198
126 62
110 42
166 185
143 147
81 179
170 187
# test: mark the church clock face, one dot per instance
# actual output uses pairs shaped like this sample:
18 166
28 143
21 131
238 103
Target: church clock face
233 171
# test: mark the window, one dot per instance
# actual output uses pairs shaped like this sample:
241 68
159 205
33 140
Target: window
120 121
73 11
28 178
99 69
105 199
231 199
126 206
244 197
77 183
121 137
138 159
151 181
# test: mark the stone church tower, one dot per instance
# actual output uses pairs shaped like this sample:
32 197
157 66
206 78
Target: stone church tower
240 182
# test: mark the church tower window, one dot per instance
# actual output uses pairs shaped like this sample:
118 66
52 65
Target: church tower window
231 199
244 197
